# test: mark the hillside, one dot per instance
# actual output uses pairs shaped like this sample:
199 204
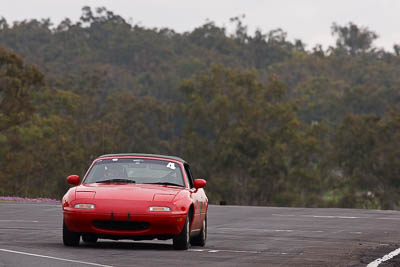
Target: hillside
266 121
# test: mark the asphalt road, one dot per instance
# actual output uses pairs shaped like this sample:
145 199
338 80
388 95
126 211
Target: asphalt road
30 235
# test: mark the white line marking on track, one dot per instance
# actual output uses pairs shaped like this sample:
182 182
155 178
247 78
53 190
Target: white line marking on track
387 257
332 217
54 258
224 250
254 229
238 251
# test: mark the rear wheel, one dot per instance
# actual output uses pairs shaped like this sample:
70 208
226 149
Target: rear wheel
181 241
89 238
200 240
70 238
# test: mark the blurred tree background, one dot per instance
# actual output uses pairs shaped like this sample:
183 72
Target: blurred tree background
266 121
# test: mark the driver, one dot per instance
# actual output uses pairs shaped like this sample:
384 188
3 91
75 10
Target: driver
114 170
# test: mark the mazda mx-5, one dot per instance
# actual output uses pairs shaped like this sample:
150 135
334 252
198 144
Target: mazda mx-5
137 197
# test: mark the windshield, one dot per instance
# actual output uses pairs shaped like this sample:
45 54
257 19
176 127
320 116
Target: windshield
135 170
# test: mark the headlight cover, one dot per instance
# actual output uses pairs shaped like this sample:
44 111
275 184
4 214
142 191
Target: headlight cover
159 209
84 206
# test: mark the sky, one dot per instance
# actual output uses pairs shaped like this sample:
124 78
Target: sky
307 20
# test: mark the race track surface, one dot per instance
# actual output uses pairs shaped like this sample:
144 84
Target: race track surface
30 235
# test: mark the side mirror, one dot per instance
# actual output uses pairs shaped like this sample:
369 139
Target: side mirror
73 179
199 183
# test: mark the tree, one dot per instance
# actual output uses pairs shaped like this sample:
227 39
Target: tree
245 139
353 39
366 153
17 84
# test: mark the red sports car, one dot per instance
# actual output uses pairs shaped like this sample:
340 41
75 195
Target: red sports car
138 197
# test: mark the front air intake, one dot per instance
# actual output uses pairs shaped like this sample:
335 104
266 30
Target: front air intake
121 225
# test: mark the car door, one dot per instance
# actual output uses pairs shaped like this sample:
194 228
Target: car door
197 200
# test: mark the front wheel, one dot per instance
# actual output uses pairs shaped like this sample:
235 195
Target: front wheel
89 238
70 238
200 240
181 241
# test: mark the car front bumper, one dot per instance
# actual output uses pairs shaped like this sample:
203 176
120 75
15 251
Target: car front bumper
125 225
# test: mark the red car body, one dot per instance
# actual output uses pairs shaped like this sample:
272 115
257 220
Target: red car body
116 209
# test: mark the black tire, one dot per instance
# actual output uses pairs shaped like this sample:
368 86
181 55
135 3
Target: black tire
182 241
200 240
70 239
89 238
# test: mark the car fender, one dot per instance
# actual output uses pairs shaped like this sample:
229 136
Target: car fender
68 198
182 201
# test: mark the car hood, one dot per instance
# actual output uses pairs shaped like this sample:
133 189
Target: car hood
130 192
124 199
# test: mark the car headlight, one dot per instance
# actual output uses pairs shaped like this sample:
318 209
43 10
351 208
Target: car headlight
159 209
84 206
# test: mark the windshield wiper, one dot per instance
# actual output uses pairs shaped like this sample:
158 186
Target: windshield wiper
166 183
117 180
